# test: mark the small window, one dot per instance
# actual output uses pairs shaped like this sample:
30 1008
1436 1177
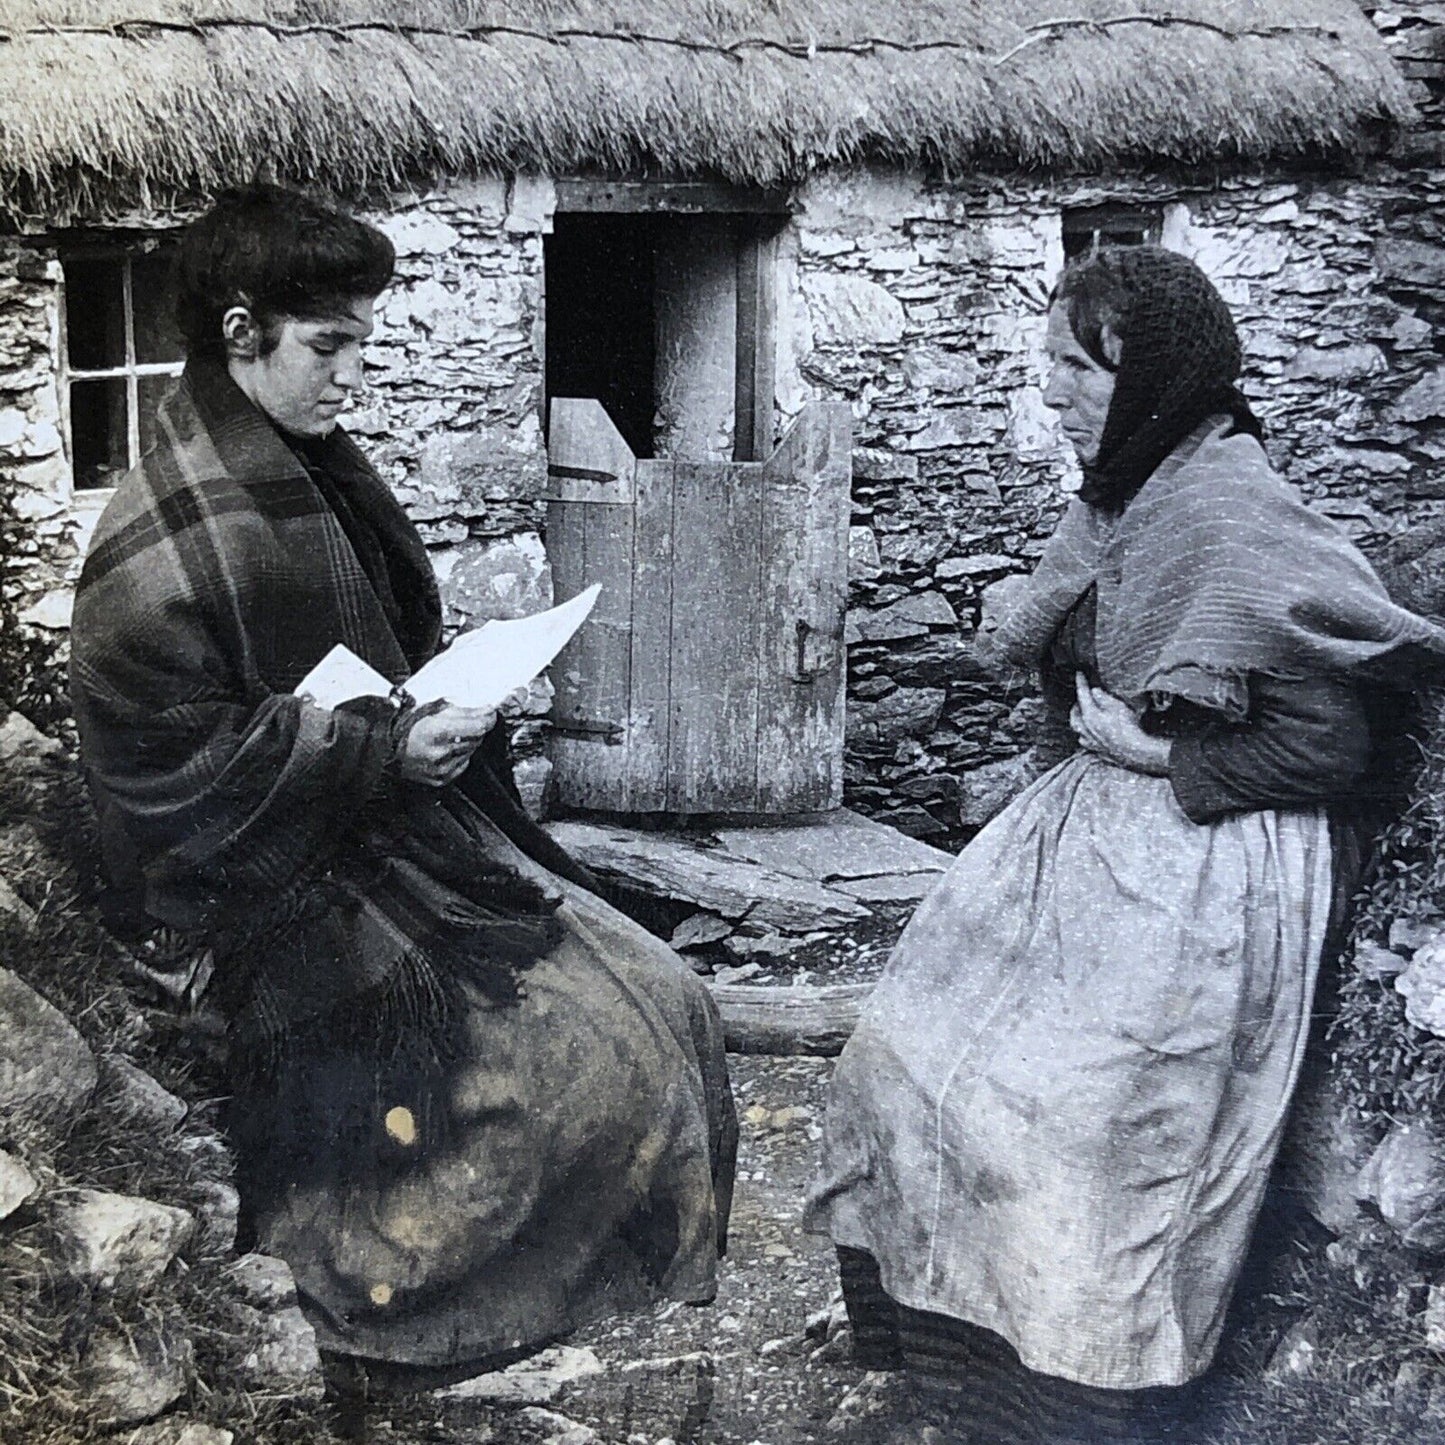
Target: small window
1086 228
121 353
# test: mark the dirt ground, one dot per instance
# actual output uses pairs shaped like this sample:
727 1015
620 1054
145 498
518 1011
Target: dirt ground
742 1371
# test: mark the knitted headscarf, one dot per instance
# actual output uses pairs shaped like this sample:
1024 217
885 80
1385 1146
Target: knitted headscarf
1178 365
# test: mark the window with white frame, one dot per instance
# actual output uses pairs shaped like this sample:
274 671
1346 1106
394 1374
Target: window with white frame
120 356
1086 228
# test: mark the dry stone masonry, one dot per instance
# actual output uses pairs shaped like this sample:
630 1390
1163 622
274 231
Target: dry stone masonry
918 300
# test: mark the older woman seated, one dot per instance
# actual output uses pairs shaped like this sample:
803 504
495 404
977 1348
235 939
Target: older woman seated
1048 1139
473 1102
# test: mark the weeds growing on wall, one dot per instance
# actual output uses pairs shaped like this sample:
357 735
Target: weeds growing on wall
1388 1067
32 673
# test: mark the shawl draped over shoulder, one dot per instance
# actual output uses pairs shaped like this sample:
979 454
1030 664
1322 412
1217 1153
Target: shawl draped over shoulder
230 808
1216 570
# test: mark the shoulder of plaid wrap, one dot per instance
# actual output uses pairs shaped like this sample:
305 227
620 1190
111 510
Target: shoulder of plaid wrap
1216 570
216 578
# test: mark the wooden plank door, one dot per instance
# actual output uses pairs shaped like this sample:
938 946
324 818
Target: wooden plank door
590 538
714 648
807 485
710 678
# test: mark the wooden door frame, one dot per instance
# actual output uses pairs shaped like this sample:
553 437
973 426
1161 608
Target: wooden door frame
768 210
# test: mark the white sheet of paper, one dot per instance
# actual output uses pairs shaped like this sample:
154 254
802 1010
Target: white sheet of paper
480 669
340 676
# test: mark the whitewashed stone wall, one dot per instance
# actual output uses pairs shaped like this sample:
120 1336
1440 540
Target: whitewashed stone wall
33 464
923 307
452 416
454 374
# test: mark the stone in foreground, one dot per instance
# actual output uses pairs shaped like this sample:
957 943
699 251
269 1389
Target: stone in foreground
180 1432
538 1380
130 1378
46 1068
1404 1182
118 1242
18 1186
145 1099
557 1429
264 1281
283 1359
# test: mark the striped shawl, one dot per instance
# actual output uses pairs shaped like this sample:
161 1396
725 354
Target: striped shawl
1215 571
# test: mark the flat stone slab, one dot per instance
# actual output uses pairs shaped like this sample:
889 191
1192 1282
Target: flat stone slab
678 867
537 1380
845 845
890 888
798 877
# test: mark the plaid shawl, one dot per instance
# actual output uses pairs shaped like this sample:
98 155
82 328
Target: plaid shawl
230 808
1215 571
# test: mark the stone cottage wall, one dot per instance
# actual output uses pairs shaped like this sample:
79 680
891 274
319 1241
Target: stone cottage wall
923 304
452 417
32 456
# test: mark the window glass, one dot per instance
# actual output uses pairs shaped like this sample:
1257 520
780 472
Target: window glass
95 313
153 390
1086 228
99 432
122 355
152 287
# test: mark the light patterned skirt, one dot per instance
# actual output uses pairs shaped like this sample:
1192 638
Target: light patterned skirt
1057 1116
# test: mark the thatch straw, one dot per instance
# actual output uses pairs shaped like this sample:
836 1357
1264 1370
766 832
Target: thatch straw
102 99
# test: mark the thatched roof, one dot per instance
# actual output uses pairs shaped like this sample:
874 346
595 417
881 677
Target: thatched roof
103 102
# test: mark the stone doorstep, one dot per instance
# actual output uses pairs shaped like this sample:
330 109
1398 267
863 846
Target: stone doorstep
817 875
845 845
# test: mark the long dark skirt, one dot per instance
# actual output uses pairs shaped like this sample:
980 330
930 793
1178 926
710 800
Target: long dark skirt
993 1398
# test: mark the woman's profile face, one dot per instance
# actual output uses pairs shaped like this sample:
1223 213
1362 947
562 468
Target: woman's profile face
312 370
1079 389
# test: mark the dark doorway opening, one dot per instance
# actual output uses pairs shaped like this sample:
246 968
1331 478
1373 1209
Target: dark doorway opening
601 323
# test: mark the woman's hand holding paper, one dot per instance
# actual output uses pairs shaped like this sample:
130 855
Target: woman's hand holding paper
441 742
443 738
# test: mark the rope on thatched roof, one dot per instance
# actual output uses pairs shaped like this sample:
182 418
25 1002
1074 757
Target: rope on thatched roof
1053 29
105 103
800 49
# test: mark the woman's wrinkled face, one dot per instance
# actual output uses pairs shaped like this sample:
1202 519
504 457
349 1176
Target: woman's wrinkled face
1079 389
312 372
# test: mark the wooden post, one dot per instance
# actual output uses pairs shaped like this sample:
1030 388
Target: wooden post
756 332
789 1019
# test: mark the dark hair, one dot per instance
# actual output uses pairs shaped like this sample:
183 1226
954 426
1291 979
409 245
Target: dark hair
278 252
1095 293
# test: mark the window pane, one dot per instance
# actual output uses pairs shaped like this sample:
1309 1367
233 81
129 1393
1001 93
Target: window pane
152 289
94 313
153 390
98 432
